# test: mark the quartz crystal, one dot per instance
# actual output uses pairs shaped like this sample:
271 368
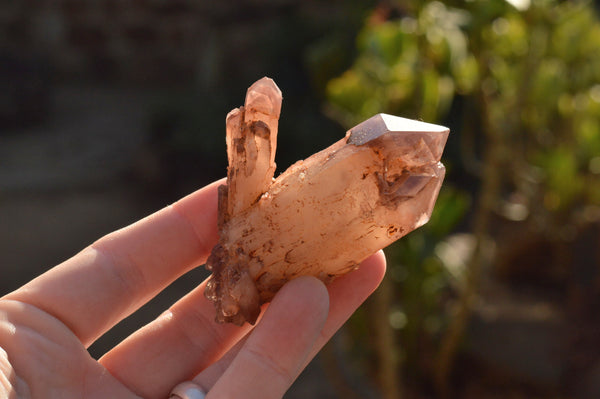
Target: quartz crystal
322 216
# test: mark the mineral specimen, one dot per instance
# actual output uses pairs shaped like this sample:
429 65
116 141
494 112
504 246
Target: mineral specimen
323 215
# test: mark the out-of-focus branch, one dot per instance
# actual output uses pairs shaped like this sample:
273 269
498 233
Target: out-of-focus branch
384 342
489 192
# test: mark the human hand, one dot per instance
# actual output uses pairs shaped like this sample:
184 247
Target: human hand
46 325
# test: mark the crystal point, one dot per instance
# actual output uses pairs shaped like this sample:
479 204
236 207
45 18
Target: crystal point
322 216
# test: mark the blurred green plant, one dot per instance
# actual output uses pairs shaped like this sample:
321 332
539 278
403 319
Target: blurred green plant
527 77
414 64
422 281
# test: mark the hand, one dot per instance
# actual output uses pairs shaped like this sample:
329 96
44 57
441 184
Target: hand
46 325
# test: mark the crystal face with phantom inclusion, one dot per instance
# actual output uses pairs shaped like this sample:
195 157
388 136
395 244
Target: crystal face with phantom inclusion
322 216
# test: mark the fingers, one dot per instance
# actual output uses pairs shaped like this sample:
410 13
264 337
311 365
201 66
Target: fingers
346 294
173 348
107 281
275 352
185 340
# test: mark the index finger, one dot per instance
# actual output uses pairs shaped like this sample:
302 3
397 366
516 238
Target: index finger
107 281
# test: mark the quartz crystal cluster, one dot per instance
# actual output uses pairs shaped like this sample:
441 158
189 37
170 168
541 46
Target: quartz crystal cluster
323 215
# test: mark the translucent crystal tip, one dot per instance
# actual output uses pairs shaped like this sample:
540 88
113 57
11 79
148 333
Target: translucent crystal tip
381 124
265 97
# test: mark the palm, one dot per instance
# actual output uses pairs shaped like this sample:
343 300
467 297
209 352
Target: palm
46 325
47 360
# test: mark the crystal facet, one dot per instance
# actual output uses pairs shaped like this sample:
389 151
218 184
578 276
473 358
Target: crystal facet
323 215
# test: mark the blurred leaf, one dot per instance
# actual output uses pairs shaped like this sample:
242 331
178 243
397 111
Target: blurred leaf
466 74
450 208
384 42
562 177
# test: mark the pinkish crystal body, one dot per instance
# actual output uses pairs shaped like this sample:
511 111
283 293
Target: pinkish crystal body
326 214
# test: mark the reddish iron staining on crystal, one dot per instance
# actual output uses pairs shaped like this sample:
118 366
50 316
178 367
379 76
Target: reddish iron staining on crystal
323 215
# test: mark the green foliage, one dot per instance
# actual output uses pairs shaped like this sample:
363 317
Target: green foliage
421 278
541 69
529 82
412 66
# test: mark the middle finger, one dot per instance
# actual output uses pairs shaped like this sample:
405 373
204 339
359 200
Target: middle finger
176 346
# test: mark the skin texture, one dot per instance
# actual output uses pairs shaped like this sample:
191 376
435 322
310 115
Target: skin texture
46 325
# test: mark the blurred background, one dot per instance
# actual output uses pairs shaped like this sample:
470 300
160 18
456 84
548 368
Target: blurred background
111 109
